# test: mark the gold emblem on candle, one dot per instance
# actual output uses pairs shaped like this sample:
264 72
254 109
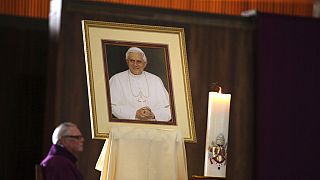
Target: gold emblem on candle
218 151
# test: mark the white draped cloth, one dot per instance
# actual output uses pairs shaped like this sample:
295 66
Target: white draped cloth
131 92
133 153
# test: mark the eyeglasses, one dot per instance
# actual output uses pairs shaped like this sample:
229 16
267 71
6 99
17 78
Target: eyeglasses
74 137
138 62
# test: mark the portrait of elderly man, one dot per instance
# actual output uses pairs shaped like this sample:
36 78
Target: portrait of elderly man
137 94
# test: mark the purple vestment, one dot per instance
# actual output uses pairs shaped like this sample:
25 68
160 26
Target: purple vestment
60 165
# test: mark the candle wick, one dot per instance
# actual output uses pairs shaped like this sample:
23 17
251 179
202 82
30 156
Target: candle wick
215 86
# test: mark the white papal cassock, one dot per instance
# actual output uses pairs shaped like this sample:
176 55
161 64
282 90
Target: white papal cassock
143 154
130 92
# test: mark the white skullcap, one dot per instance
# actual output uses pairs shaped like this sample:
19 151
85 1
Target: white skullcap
136 50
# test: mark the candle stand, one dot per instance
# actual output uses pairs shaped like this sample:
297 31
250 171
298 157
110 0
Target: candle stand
207 177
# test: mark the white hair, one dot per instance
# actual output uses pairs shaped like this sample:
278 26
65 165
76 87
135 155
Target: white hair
61 130
136 50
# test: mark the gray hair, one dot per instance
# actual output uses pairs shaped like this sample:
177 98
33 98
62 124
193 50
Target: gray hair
136 50
61 130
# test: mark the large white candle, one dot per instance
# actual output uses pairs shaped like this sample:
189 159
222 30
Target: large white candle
217 134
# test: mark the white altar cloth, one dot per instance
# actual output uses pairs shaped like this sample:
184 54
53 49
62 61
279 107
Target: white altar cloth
136 153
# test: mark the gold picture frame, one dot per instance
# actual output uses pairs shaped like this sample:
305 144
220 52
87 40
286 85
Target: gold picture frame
102 41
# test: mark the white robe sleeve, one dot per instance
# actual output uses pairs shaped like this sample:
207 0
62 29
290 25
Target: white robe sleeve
119 105
161 109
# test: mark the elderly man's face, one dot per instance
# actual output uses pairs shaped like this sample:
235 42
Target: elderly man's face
135 63
73 141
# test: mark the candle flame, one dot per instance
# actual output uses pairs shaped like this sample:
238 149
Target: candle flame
219 90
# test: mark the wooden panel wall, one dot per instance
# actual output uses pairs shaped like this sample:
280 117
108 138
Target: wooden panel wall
40 8
28 8
229 7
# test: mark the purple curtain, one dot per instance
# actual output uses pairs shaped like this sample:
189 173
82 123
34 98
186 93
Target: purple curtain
287 97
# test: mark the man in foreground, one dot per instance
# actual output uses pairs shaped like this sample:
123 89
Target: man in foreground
59 164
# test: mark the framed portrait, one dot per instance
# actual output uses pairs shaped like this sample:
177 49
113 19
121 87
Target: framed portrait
137 75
